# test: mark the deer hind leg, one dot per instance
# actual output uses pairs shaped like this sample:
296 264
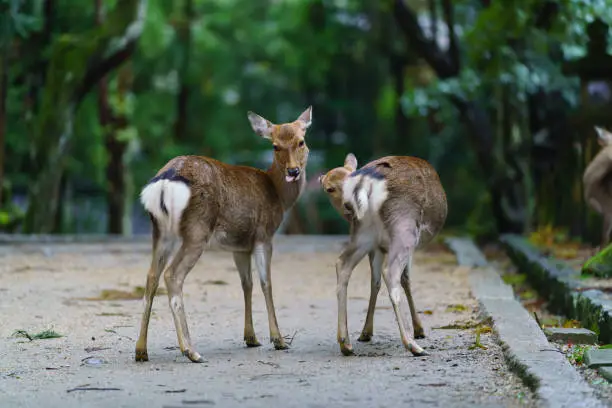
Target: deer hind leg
348 260
376 258
263 256
404 241
419 332
607 229
162 250
243 264
175 275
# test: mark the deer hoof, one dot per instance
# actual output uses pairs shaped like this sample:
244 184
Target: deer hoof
417 351
419 333
347 350
279 343
251 341
142 355
193 356
365 337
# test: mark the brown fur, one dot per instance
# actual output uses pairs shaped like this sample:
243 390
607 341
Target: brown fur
597 181
234 208
414 191
412 214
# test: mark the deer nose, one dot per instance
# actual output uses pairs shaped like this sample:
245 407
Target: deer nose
294 172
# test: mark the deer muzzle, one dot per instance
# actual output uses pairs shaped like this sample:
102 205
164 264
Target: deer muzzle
293 174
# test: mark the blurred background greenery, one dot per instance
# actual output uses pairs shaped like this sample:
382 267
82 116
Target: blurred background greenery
501 97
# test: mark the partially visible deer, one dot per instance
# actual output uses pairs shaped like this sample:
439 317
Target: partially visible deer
395 205
200 202
597 180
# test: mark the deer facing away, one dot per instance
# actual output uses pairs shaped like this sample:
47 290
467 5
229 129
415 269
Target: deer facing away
394 205
597 181
199 202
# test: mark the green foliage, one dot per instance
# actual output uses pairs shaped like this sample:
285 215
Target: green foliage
224 58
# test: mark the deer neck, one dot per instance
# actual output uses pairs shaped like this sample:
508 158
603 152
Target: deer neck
287 192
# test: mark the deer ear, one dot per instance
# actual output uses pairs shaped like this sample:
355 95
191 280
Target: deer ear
261 126
350 162
605 137
305 118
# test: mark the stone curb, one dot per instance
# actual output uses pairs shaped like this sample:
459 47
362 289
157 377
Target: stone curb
466 252
539 364
562 287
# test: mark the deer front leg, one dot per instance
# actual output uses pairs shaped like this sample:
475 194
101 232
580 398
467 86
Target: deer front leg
263 257
347 261
174 277
243 264
419 332
376 258
159 259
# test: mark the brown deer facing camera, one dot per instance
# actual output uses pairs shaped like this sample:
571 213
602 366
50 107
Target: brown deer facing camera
597 180
200 203
394 205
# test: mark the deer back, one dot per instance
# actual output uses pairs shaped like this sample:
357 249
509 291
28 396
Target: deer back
399 188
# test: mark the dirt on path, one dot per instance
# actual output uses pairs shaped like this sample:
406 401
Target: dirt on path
44 286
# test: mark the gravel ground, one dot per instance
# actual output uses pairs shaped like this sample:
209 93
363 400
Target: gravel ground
43 286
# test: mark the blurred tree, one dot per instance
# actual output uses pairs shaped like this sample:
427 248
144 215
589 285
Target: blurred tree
76 64
389 77
182 22
501 72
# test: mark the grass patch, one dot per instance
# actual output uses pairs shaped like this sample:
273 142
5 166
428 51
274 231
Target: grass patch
456 308
575 354
467 325
115 294
515 279
477 343
215 282
43 335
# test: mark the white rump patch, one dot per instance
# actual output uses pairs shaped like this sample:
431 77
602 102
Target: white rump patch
176 197
365 194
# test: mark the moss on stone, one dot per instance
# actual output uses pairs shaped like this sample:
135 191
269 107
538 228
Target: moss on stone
599 265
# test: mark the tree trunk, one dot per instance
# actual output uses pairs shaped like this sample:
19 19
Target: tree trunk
115 149
115 174
89 57
61 201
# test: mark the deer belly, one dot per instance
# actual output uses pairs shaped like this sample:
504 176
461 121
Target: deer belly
224 241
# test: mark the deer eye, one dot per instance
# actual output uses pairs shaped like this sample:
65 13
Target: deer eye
301 143
330 190
276 148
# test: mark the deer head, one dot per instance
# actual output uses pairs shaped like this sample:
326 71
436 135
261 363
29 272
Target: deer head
290 150
333 180
604 137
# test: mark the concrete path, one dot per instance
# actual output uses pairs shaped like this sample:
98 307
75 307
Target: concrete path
40 287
